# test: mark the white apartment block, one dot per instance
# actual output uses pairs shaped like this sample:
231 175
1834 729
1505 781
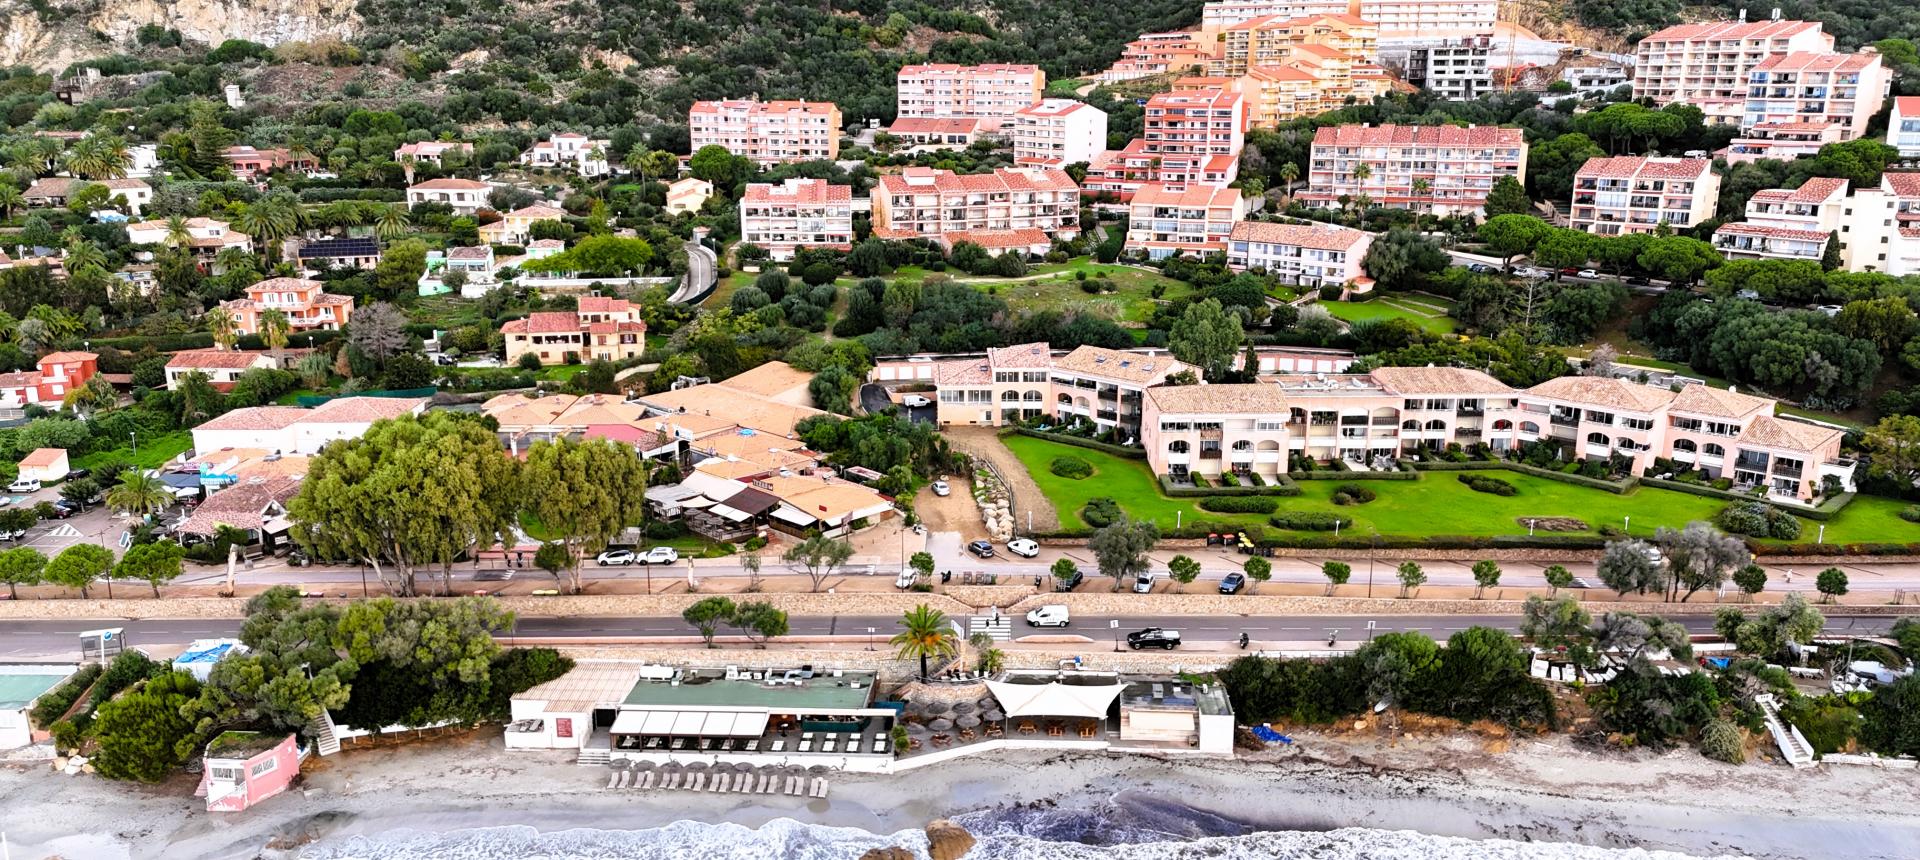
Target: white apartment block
769 133
1903 127
465 196
1444 169
576 152
1844 90
1058 132
1453 69
1397 18
1103 386
924 203
1194 220
1783 224
1307 255
797 213
1880 227
1636 194
987 91
1709 65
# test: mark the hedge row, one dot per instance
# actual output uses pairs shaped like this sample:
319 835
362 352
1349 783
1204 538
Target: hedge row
1330 475
1240 504
1064 439
55 703
1281 487
204 340
1615 487
1826 511
1317 521
1834 548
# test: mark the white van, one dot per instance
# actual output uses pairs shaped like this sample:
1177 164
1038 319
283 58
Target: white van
906 579
1051 615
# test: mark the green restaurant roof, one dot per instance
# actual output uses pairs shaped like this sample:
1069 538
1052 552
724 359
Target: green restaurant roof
19 690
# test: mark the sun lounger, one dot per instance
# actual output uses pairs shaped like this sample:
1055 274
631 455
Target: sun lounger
767 783
613 779
699 780
818 788
671 782
744 785
827 745
721 781
879 745
779 746
646 780
794 786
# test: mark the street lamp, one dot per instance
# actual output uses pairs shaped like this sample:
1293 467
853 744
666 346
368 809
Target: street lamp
869 639
131 434
1373 548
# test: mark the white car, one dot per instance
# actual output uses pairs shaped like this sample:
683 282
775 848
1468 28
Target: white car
1023 547
915 401
1052 615
1530 272
24 485
660 555
940 488
1587 273
614 557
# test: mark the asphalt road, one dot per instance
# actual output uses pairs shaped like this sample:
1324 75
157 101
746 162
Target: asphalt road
874 398
20 639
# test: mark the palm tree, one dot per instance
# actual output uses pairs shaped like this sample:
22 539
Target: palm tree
1422 187
10 199
1288 173
179 232
926 634
225 329
100 157
138 493
82 253
1362 172
273 330
391 222
269 220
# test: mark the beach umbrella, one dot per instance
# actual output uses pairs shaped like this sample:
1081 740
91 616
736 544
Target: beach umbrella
818 769
698 765
987 703
672 767
941 725
619 764
640 765
917 728
967 721
964 707
993 716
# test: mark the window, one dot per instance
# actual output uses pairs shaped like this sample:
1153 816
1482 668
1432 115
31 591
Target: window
1178 446
1713 450
1596 438
1243 445
1684 445
1637 423
262 768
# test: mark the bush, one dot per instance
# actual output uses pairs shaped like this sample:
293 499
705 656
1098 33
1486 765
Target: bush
55 703
1311 521
1484 484
1910 513
1240 504
1755 519
66 736
1100 512
1355 493
1723 741
1071 467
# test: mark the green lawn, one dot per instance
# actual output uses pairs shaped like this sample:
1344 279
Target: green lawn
292 398
560 372
1436 504
152 453
1386 308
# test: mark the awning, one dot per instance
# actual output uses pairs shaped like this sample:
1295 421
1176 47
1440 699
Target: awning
688 722
1054 700
791 515
707 724
696 502
658 723
734 514
628 723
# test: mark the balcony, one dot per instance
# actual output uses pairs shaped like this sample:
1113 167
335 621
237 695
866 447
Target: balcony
1564 420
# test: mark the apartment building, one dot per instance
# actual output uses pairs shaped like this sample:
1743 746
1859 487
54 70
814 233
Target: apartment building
1786 224
1880 227
54 376
796 213
1444 170
1307 255
1274 41
1397 19
991 91
1211 429
1190 136
306 305
1710 65
1843 90
1636 194
769 133
576 152
1103 386
921 202
1459 69
1159 54
516 227
1782 141
1118 174
1903 126
1058 132
1194 220
464 196
601 327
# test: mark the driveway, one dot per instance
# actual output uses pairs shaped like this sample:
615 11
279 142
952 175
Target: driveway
1029 503
875 398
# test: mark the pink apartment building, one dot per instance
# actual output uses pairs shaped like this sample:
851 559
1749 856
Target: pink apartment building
924 203
306 304
1188 136
1443 169
796 213
1805 87
769 133
1709 65
1637 193
990 91
1196 220
1786 224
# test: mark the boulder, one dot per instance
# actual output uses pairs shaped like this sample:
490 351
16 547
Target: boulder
947 840
891 852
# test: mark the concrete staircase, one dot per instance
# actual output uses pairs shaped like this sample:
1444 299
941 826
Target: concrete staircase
1793 745
325 742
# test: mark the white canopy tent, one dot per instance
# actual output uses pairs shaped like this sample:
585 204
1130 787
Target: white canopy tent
1054 699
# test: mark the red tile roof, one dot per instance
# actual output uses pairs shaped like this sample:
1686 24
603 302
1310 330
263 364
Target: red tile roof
1418 135
1743 228
214 359
1904 184
1640 166
604 304
1731 30
1027 237
1191 196
935 125
1326 237
449 184
1809 61
799 191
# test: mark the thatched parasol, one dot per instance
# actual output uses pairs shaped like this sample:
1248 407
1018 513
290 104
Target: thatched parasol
941 725
964 707
993 716
967 721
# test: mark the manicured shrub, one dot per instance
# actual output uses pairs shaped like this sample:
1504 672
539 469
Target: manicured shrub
1910 513
1311 521
1240 504
1484 484
1755 519
1357 494
1069 466
1100 512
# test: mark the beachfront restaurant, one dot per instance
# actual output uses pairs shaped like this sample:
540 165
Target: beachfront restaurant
801 715
1101 710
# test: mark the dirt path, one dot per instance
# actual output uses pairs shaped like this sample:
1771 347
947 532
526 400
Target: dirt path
952 513
985 442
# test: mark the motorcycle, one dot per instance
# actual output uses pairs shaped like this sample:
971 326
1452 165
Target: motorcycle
1243 641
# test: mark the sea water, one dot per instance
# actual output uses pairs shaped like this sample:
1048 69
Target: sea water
1019 834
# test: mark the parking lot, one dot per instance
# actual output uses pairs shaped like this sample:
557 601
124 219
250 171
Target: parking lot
875 397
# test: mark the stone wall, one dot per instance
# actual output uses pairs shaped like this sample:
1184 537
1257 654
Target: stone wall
1174 605
1095 656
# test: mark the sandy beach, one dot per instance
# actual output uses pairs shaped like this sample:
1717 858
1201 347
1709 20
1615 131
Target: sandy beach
1546 790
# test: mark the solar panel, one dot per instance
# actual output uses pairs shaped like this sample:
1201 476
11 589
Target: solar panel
353 247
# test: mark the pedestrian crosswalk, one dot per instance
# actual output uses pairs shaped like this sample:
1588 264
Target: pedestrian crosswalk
997 627
63 530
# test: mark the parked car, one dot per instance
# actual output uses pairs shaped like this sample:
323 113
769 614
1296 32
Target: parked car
1154 637
659 555
940 488
1829 310
614 557
1070 583
980 549
77 474
1638 281
908 576
1233 582
12 535
1051 615
1481 268
63 509
1531 272
1570 270
1023 547
1588 273
24 485
915 401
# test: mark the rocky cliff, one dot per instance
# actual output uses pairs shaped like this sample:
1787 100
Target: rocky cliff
67 32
